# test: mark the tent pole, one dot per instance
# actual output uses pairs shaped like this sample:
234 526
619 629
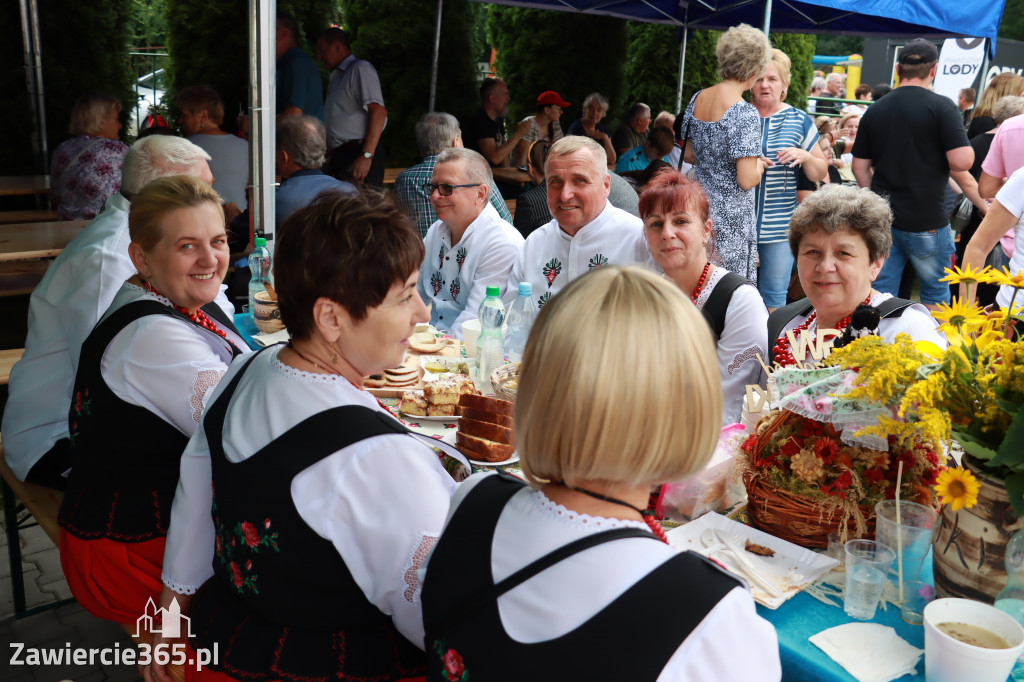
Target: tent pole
682 70
262 48
437 54
34 83
767 17
984 69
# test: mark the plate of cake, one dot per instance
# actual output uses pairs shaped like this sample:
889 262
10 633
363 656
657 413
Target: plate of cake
438 400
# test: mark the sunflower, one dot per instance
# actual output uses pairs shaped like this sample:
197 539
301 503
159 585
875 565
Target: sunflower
1004 278
967 275
957 488
958 314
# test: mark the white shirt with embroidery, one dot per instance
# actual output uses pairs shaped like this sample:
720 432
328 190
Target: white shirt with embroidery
381 502
550 258
454 278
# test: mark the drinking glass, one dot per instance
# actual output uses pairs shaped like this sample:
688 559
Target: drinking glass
867 562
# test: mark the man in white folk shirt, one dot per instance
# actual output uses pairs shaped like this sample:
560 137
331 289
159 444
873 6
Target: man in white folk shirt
76 291
470 247
586 232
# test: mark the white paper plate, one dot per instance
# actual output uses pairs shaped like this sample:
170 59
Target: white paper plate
792 568
421 418
511 460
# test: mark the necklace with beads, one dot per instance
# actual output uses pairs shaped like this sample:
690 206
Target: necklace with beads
198 316
700 282
647 515
782 352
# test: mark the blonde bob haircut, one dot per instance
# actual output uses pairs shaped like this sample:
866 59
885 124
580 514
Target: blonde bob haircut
743 53
781 62
606 376
161 197
90 111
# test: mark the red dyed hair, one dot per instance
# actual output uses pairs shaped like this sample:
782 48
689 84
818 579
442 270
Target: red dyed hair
670 191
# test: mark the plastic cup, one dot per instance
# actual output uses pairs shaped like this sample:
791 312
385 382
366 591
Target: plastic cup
867 562
916 596
911 539
837 550
470 333
947 659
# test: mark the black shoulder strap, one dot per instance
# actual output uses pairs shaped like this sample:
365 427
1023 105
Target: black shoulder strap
893 307
717 305
778 320
217 313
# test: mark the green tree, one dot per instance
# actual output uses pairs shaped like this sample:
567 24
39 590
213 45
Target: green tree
400 45
1012 24
839 46
148 24
652 67
573 54
800 50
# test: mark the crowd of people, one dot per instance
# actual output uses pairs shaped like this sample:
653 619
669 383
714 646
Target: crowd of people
254 489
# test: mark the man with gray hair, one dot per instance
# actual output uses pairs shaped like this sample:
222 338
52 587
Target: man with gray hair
633 132
470 247
75 292
587 232
301 148
435 132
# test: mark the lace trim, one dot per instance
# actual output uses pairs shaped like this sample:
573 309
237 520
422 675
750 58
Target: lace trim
299 375
412 566
205 380
743 358
564 515
178 587
709 286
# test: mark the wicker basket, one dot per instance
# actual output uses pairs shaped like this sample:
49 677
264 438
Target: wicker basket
798 518
500 379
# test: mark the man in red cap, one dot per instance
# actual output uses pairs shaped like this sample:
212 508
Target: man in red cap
543 124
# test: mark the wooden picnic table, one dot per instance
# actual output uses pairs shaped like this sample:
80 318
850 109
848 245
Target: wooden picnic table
11 185
390 175
7 360
511 175
22 241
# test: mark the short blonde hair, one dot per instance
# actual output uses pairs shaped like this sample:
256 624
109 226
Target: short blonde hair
159 198
605 378
90 111
780 60
195 98
743 52
571 144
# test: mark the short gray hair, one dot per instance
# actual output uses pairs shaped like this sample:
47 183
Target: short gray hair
574 143
90 111
158 156
817 84
477 168
1007 107
840 207
596 97
436 131
305 140
743 52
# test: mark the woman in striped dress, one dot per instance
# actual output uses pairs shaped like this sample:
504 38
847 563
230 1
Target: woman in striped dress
789 141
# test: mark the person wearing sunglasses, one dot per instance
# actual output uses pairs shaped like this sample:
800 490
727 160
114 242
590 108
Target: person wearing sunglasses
470 247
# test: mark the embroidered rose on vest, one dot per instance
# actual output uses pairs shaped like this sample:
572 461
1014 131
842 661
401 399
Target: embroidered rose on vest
454 288
597 261
82 403
436 282
440 257
454 669
266 523
552 270
460 257
236 575
250 534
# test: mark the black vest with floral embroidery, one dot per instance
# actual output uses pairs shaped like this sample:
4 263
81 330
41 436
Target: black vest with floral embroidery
124 458
282 604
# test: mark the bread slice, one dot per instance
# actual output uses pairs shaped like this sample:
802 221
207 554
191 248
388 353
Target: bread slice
483 449
499 419
487 404
498 434
441 410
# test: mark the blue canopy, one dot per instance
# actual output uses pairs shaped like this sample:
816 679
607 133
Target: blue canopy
898 18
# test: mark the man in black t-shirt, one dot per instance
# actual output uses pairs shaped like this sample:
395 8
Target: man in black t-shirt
905 149
485 132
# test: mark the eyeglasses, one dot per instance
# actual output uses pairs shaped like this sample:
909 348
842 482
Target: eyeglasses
444 189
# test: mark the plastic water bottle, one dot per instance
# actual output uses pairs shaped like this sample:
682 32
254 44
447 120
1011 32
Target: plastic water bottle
489 346
259 271
521 315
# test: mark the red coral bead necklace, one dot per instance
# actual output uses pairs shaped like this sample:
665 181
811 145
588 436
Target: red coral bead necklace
700 282
199 316
782 352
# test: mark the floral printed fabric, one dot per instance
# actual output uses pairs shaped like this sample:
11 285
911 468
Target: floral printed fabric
86 170
819 394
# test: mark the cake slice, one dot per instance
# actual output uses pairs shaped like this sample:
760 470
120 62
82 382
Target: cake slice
483 449
413 404
441 410
441 393
485 430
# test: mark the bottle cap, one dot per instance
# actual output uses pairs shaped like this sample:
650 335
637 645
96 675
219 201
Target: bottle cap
260 241
493 291
525 289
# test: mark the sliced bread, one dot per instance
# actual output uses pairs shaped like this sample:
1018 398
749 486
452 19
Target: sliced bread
488 431
483 449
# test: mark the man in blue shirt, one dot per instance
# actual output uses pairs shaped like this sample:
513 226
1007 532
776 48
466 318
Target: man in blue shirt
299 86
301 146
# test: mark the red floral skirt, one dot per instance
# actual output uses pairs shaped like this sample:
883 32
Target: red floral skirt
207 675
112 580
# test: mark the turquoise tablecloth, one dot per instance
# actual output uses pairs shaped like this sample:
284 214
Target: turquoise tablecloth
246 329
803 616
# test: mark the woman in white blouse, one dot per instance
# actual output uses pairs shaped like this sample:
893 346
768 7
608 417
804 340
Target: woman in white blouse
323 504
143 379
602 596
678 226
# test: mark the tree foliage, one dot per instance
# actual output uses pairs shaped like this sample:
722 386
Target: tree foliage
573 54
398 39
1012 24
839 46
652 67
147 25
799 48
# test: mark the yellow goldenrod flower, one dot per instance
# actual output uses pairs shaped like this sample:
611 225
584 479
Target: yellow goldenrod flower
1004 278
967 275
958 488
959 314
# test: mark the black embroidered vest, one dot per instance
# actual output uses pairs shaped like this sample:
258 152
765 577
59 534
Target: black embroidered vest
124 459
282 604
465 637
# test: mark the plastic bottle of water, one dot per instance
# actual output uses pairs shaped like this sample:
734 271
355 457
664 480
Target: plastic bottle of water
521 315
259 271
1011 599
489 346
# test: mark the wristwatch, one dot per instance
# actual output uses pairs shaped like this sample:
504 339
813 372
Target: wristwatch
367 155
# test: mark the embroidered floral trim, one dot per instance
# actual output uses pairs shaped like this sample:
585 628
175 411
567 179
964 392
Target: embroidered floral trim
743 358
205 380
235 546
416 559
299 375
82 407
569 517
178 587
452 667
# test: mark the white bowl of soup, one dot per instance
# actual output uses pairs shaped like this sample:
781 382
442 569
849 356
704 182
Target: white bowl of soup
969 640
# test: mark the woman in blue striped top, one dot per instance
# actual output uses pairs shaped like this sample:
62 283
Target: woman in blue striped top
788 140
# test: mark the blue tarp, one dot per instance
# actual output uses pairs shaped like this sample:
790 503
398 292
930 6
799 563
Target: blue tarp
898 18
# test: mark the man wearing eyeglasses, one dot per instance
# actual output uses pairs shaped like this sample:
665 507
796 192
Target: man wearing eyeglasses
470 247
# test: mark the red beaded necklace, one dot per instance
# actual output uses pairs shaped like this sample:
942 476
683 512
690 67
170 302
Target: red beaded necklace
199 317
783 353
700 282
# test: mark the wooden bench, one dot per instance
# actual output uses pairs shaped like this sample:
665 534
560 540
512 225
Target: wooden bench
39 216
7 360
21 277
42 506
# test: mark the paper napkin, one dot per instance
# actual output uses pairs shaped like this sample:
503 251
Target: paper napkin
868 651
